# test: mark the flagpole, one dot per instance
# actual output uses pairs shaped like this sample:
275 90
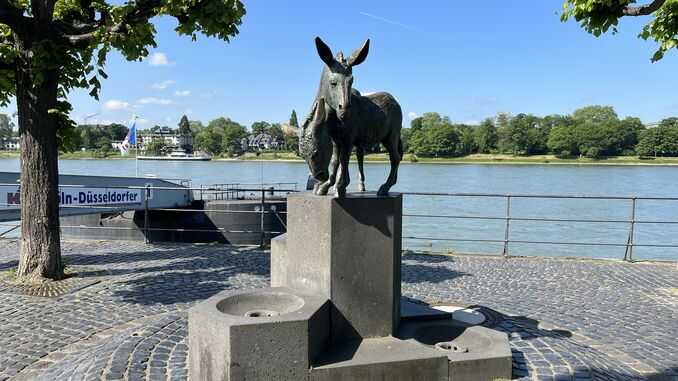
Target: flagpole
136 158
136 147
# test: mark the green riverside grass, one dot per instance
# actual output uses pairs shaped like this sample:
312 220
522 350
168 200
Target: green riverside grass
409 158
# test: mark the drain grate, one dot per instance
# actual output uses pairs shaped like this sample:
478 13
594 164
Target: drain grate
451 346
261 313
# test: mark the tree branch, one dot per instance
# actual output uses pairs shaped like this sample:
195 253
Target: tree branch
80 35
43 10
643 10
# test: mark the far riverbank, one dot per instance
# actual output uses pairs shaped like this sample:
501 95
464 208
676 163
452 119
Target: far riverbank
409 158
474 159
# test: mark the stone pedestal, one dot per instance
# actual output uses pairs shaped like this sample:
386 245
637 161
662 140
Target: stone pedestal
334 310
349 251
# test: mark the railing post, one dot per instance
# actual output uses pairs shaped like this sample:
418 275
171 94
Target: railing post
147 193
261 219
628 254
507 228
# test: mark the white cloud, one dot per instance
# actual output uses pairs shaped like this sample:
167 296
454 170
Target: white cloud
163 84
155 101
182 93
116 104
412 115
158 59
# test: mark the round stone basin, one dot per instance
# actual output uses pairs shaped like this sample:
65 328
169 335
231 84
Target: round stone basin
452 338
260 304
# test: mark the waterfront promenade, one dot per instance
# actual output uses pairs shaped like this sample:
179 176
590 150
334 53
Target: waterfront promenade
126 316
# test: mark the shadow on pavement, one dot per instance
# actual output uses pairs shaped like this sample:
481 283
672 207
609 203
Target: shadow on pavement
173 275
428 268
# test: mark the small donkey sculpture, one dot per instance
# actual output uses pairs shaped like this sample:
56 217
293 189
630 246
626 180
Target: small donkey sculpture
341 119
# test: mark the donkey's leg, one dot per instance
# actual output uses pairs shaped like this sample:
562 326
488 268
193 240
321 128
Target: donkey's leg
360 154
344 179
322 189
391 145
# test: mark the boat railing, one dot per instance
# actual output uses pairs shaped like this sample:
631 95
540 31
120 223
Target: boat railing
240 191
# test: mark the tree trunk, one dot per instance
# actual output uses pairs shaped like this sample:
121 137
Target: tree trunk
40 256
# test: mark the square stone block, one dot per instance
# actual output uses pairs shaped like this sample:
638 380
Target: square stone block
262 334
349 250
474 353
379 359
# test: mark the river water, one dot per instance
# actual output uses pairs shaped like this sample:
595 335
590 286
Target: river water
638 181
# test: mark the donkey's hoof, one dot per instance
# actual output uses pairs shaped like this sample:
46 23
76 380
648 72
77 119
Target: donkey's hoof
383 190
321 190
340 193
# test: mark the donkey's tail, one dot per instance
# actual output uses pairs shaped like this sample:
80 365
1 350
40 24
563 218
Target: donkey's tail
400 147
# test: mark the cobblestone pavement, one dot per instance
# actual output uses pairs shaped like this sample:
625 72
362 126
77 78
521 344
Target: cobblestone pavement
566 319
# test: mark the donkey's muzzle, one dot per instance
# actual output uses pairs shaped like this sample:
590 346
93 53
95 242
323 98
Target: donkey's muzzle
343 113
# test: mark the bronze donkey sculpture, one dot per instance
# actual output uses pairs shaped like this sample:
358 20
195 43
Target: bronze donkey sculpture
342 118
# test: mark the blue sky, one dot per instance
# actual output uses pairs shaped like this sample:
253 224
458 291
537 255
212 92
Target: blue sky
467 60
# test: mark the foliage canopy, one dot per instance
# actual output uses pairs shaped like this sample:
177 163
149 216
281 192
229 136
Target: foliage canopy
73 38
599 16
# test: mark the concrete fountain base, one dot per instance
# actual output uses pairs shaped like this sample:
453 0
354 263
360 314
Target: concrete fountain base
263 334
336 311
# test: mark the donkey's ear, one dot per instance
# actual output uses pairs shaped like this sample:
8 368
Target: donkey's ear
359 55
324 52
309 117
319 110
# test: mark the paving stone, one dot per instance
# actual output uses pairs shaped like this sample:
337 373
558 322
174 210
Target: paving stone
566 319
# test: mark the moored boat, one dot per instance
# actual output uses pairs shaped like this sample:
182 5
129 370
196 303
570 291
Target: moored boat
179 156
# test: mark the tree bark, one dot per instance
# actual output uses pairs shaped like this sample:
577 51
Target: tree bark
40 257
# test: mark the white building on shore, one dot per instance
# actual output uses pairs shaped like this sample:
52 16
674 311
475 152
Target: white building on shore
172 140
262 142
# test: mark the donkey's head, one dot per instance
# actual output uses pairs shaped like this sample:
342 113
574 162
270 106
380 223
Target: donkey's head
337 77
315 145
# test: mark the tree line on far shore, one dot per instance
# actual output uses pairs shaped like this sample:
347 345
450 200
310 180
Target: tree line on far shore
592 131
223 136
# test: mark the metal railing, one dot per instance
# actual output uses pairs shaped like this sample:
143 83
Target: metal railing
278 191
509 217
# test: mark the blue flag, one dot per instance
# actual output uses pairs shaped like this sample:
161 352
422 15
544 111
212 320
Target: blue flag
133 133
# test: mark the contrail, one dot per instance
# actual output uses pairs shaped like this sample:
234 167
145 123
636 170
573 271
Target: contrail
387 20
